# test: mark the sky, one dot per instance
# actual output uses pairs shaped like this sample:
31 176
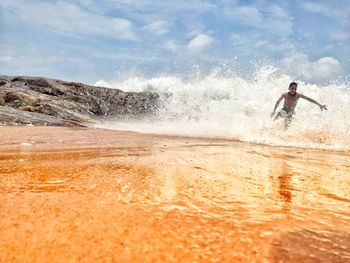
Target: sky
85 40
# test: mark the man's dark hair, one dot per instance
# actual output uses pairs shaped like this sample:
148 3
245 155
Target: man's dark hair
293 84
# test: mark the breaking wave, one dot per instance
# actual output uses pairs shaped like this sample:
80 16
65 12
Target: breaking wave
227 105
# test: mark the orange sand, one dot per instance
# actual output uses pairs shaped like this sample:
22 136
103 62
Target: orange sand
92 195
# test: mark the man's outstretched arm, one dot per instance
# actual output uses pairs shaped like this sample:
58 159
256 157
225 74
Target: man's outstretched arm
322 106
276 105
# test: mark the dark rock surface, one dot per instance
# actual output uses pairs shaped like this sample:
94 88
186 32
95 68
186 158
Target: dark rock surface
43 101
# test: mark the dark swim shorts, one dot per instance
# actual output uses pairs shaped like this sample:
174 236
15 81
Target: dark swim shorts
285 113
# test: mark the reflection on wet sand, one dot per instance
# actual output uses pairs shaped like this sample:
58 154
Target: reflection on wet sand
98 195
285 187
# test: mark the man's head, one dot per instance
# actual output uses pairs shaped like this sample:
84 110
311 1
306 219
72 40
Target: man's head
293 88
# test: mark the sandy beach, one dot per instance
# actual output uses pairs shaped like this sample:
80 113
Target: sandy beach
96 195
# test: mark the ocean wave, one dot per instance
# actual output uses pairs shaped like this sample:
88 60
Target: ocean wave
227 105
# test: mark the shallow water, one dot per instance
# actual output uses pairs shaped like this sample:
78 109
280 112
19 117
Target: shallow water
100 195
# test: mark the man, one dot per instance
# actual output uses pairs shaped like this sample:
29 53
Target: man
290 102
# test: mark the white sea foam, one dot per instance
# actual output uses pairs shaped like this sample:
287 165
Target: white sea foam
225 105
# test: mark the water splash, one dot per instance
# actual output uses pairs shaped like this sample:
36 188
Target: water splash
223 104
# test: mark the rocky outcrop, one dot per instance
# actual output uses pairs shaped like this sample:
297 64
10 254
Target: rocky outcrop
43 101
12 116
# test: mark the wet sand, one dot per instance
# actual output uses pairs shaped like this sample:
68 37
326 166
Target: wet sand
94 195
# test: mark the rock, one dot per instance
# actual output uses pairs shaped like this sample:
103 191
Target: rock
11 96
26 108
20 96
10 116
73 102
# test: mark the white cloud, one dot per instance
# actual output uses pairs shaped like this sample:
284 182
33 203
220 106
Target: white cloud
340 35
326 67
271 18
249 43
65 18
199 43
158 27
248 15
328 10
172 46
337 12
194 27
323 69
7 59
196 6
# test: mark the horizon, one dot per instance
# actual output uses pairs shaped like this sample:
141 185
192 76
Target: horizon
86 41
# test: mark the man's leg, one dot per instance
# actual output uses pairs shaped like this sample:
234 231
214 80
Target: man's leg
288 119
287 122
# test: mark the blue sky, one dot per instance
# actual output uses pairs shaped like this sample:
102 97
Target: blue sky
85 40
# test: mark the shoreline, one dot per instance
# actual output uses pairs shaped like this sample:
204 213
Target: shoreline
102 130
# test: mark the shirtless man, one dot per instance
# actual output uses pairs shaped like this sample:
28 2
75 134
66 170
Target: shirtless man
290 102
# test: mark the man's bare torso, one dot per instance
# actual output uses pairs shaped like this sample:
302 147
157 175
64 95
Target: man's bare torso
290 101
